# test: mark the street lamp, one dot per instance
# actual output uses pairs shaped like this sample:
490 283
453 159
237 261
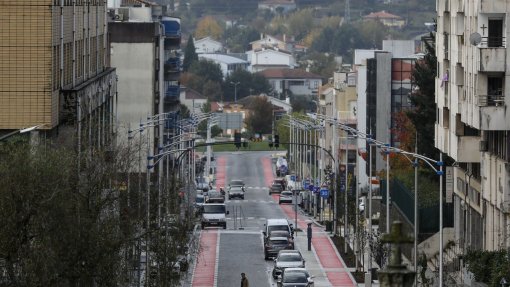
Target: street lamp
235 90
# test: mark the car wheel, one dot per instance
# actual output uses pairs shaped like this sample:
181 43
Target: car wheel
203 226
266 257
242 197
279 202
229 198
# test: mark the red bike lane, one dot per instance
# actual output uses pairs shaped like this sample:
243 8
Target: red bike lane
327 254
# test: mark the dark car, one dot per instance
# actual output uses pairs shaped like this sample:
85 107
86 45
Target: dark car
236 183
274 244
275 188
281 233
236 192
215 197
280 181
295 277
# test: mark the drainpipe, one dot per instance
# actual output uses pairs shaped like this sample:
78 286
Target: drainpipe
74 43
61 43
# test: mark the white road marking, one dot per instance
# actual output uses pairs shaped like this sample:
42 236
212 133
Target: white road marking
217 260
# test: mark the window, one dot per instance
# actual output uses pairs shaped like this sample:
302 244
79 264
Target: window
495 38
296 83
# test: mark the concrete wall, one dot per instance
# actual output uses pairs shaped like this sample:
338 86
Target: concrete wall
361 115
383 115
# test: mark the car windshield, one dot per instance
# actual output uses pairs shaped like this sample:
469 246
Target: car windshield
214 208
277 186
279 242
214 194
287 193
278 227
236 182
236 189
199 199
289 257
295 277
278 233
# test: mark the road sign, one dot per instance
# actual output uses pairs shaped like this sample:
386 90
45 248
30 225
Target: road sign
324 193
310 187
449 184
316 189
306 183
293 177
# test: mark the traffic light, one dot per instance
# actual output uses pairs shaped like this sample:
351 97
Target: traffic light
237 139
276 141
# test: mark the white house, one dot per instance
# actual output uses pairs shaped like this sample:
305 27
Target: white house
192 99
270 58
227 63
297 81
275 5
207 45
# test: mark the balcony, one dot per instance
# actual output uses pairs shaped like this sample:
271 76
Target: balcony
491 100
172 93
468 149
492 59
172 31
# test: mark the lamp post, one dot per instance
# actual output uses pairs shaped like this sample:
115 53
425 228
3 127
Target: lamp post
235 90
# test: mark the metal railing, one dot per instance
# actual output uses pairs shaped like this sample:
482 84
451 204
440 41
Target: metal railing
493 42
491 100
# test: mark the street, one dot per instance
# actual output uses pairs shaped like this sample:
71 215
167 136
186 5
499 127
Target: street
225 254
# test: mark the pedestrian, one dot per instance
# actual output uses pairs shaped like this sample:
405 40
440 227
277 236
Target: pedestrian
244 280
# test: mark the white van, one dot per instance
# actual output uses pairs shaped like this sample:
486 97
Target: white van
277 224
290 183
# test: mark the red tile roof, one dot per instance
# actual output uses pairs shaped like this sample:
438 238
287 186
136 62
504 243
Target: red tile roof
288 74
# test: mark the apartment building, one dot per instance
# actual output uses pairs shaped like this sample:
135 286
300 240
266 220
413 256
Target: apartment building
54 70
473 121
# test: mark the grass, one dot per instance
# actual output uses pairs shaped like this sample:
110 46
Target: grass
252 146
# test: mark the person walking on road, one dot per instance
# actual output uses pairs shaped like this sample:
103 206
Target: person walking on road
244 281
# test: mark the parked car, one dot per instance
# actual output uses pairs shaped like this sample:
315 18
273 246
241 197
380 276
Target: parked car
287 259
295 277
285 197
281 233
274 244
281 181
199 202
236 192
274 224
203 183
275 188
215 197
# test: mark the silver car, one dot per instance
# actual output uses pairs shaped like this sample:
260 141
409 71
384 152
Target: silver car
285 197
287 259
295 277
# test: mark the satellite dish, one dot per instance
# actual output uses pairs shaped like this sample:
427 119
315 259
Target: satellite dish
475 39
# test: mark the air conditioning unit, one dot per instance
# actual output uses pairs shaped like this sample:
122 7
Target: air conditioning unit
118 17
484 146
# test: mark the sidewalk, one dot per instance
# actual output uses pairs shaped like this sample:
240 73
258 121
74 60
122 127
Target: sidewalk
331 266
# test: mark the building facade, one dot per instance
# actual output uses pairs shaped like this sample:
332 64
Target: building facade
56 70
208 45
288 82
473 123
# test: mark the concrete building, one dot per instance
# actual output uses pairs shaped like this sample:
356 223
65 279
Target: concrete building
387 19
473 122
292 81
228 64
277 6
270 58
55 71
192 99
207 45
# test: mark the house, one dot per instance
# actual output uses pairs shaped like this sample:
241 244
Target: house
269 41
207 45
270 58
228 64
192 99
292 81
283 6
387 19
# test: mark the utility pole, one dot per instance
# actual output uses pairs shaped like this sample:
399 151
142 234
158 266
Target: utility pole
347 12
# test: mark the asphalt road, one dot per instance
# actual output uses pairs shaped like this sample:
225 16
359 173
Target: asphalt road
240 246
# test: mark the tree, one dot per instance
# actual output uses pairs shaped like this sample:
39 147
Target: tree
212 90
207 70
260 116
190 54
423 115
249 84
208 26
